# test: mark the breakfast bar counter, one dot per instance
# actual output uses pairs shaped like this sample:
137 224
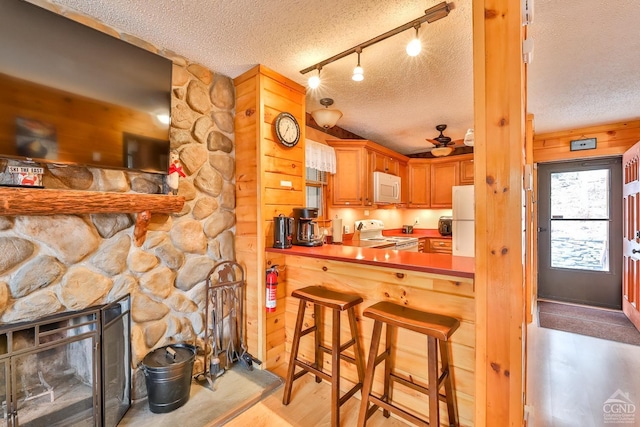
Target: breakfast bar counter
436 283
415 261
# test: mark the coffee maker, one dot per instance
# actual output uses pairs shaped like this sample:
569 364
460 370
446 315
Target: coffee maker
306 231
282 231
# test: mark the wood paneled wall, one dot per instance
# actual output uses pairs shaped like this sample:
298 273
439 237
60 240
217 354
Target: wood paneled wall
264 169
613 139
499 105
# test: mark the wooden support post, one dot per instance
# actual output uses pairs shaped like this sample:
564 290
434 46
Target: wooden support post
499 104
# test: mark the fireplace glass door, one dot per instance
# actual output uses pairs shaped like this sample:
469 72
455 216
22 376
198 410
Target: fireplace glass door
72 369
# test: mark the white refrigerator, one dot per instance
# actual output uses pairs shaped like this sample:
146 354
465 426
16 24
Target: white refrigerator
462 230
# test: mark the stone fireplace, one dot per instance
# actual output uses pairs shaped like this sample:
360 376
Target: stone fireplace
56 264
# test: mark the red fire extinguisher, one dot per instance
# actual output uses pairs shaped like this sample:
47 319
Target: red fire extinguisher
272 286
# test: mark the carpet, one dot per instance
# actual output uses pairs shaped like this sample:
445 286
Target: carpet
233 393
594 322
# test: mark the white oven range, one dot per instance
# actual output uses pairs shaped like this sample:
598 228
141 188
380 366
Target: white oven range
371 230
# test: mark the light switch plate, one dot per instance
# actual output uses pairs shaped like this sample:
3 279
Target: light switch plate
583 144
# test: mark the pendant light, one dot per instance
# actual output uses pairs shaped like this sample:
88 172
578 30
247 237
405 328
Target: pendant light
358 72
326 117
414 47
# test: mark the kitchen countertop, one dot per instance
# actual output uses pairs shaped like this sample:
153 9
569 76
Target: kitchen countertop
444 264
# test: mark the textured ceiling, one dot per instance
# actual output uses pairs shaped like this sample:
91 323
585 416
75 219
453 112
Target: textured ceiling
586 67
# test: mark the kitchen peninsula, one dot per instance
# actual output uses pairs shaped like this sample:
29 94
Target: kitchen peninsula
429 281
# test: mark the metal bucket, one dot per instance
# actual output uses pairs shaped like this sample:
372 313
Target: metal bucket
167 372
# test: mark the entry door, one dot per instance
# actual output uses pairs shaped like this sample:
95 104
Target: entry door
580 232
631 235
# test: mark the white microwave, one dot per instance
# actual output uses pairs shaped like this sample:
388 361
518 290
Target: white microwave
386 188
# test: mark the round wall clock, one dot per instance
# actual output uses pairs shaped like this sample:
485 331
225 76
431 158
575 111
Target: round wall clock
287 129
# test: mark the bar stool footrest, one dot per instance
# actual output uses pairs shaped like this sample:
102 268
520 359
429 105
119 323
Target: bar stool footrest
306 368
400 412
350 393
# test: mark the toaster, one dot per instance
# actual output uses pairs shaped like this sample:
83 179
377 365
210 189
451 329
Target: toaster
444 225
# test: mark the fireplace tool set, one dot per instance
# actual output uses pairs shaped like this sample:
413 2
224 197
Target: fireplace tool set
225 332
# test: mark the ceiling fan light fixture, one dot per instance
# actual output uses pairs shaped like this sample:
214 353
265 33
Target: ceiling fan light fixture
414 46
326 117
441 151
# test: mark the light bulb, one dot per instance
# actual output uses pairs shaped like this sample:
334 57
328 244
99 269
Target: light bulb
314 82
358 74
414 47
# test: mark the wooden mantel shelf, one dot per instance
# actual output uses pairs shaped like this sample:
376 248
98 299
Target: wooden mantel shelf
36 201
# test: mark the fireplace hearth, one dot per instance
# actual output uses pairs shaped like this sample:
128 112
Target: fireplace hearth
71 369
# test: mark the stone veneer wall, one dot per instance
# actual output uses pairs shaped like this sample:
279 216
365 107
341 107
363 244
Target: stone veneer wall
51 264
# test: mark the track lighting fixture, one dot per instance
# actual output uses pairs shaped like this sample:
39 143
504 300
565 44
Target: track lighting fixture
358 72
314 81
432 14
414 47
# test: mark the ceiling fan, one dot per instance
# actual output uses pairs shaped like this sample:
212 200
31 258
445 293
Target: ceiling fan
442 143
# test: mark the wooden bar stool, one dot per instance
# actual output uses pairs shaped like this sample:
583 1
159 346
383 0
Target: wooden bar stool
337 302
438 328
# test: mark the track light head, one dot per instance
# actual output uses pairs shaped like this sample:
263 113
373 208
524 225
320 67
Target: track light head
314 81
358 72
415 46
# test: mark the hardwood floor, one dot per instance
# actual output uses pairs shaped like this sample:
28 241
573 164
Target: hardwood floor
571 376
309 406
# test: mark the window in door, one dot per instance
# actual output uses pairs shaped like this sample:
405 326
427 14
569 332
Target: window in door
580 219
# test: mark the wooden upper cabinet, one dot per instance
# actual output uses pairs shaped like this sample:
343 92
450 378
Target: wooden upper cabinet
383 163
443 177
357 159
403 173
419 172
466 172
347 184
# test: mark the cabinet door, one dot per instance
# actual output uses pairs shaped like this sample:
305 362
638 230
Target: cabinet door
419 185
466 171
347 184
403 173
443 177
381 163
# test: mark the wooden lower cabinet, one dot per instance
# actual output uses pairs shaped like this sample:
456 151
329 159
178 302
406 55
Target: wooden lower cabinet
452 296
440 246
423 245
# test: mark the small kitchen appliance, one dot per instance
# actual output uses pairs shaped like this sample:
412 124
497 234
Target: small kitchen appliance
407 229
444 225
282 231
306 231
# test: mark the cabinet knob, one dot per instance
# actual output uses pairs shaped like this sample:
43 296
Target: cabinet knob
441 243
